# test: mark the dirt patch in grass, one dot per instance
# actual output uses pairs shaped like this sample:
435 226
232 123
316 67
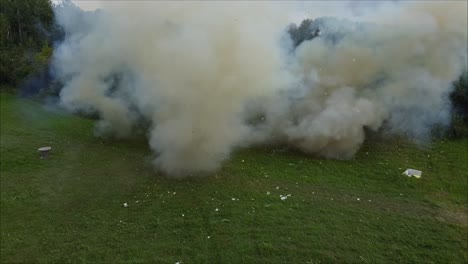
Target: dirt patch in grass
457 217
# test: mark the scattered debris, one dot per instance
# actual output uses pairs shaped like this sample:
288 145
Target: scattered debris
412 173
125 204
284 197
268 193
358 199
216 210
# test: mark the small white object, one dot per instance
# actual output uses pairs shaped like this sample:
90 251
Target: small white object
208 237
242 160
268 193
358 199
216 210
183 215
413 173
44 151
283 197
125 205
233 199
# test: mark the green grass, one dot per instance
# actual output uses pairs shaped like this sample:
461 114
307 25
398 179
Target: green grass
68 208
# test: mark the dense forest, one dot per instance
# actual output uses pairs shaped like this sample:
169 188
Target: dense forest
29 34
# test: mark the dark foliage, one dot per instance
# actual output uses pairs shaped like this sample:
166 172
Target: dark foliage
459 98
27 29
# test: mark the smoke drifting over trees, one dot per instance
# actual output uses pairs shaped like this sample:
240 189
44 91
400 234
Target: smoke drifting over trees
212 76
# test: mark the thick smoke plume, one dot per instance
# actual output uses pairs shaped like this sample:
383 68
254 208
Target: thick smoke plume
207 77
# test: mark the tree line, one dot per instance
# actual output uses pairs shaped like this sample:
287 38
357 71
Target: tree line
27 29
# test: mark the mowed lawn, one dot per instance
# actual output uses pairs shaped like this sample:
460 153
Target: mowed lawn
69 207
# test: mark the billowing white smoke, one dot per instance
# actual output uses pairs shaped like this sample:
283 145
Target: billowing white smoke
212 76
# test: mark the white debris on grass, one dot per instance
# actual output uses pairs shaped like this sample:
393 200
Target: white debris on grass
284 197
125 204
412 173
268 193
216 210
358 199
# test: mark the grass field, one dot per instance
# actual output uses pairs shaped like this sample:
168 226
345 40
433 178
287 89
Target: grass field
69 207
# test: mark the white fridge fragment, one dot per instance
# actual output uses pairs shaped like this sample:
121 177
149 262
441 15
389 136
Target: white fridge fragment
413 173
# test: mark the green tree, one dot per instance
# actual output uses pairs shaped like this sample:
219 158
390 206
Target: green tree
304 32
25 28
459 98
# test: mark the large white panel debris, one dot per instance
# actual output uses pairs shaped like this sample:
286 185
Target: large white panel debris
413 173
